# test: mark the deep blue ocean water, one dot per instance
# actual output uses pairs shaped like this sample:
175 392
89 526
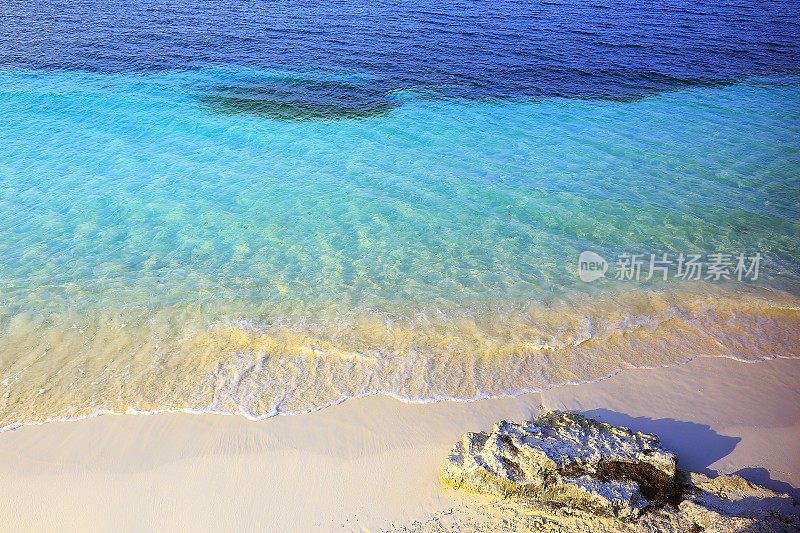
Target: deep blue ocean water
265 207
480 49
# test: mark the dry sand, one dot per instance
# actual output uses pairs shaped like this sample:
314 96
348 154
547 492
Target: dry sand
371 463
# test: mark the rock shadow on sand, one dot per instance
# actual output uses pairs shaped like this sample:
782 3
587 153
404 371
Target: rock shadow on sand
697 445
763 477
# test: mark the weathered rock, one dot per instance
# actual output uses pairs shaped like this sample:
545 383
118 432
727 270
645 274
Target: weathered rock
563 472
566 460
731 503
726 504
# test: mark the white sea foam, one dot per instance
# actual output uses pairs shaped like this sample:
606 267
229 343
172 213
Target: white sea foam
144 362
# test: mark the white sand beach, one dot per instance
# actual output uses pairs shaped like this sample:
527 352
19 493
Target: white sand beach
371 464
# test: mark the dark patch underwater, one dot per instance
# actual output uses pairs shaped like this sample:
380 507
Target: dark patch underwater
300 98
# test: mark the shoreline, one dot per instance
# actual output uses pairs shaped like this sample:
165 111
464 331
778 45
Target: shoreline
389 395
372 463
234 369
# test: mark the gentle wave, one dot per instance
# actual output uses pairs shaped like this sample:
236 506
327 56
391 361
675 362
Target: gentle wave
143 361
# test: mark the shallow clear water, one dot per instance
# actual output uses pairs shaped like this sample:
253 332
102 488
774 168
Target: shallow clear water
181 232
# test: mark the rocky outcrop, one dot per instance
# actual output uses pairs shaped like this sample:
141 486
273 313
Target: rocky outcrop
569 472
731 503
565 459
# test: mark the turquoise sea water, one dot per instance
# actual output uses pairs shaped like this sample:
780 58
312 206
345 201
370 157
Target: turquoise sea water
162 249
126 185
